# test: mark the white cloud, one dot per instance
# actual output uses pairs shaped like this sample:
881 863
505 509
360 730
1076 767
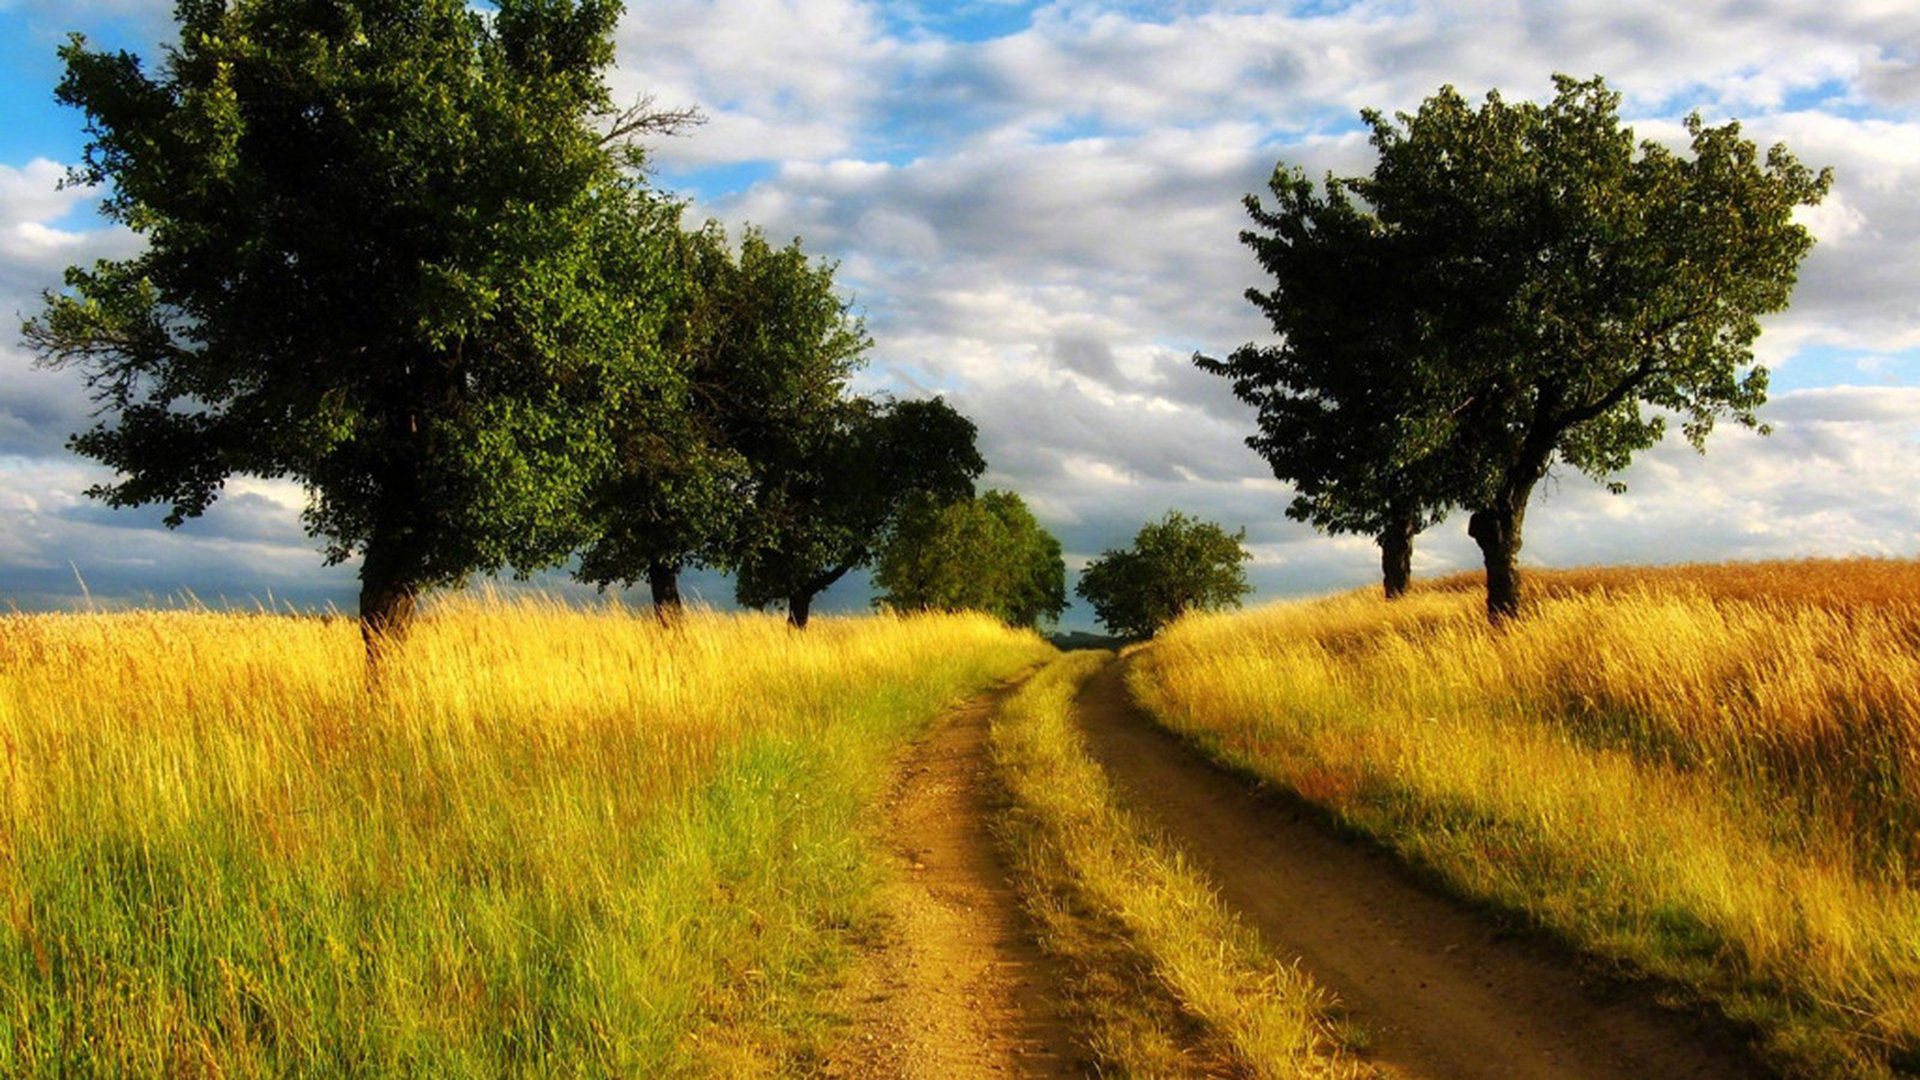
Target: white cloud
777 78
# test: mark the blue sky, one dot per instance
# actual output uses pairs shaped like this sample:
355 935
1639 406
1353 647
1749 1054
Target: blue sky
1036 206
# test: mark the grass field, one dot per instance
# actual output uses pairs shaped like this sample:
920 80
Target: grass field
558 842
1710 774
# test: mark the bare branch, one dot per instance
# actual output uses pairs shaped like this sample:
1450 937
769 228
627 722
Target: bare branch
645 117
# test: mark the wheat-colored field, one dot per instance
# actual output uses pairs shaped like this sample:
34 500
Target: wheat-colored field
1710 773
556 841
1148 945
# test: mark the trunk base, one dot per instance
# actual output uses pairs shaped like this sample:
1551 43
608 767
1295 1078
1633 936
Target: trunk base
386 615
1396 557
1498 536
664 582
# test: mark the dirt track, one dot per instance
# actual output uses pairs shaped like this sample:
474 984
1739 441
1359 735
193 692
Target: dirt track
1440 992
957 987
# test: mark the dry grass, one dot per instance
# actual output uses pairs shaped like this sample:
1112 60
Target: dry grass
1839 584
559 842
1710 773
1159 961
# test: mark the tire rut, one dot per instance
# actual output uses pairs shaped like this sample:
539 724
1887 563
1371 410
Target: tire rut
957 987
1440 991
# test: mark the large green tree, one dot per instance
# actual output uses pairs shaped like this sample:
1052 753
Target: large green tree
380 237
1575 289
828 501
984 554
1348 412
1176 565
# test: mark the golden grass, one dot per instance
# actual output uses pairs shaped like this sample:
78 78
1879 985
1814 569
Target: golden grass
1710 773
1112 899
560 841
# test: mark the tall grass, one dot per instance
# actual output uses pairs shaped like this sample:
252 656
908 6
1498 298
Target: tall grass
1709 773
557 842
1113 899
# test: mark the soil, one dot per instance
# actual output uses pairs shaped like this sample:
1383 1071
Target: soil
1439 989
957 986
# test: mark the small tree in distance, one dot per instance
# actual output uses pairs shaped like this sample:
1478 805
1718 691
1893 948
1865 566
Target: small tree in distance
1176 565
986 554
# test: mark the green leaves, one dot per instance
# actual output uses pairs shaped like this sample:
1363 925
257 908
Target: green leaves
986 554
1176 565
382 244
830 504
1517 284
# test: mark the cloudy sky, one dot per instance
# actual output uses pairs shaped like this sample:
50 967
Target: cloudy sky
1036 205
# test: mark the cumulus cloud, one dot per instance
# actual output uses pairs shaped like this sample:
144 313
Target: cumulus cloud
777 79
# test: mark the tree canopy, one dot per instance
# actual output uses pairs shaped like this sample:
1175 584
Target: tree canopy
1176 565
984 554
1346 412
1533 286
379 241
683 484
827 503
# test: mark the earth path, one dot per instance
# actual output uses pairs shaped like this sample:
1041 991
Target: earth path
1439 990
957 986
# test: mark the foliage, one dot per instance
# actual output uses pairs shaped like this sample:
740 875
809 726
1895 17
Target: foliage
682 485
1176 565
1760 707
379 238
1347 410
985 554
550 848
827 504
1563 282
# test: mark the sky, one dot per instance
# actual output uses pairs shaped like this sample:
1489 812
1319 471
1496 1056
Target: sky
1036 207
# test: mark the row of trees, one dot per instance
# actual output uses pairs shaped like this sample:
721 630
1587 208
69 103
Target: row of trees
990 554
1514 285
403 252
766 466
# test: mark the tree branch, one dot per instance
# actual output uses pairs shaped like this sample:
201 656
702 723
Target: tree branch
644 118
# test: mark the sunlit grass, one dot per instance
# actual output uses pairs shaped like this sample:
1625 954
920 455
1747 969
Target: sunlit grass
1712 773
557 841
1112 899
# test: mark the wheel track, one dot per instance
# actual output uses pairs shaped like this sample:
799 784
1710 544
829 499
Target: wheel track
1441 992
957 986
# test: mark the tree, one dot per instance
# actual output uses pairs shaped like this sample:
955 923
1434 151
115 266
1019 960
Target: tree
679 488
985 554
1346 402
379 237
829 502
1176 565
1565 282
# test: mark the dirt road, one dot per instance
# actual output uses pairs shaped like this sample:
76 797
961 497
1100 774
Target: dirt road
1440 992
957 987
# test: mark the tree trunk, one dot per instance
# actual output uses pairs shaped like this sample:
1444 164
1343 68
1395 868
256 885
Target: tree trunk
664 580
386 607
797 607
1496 528
1396 554
1499 538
